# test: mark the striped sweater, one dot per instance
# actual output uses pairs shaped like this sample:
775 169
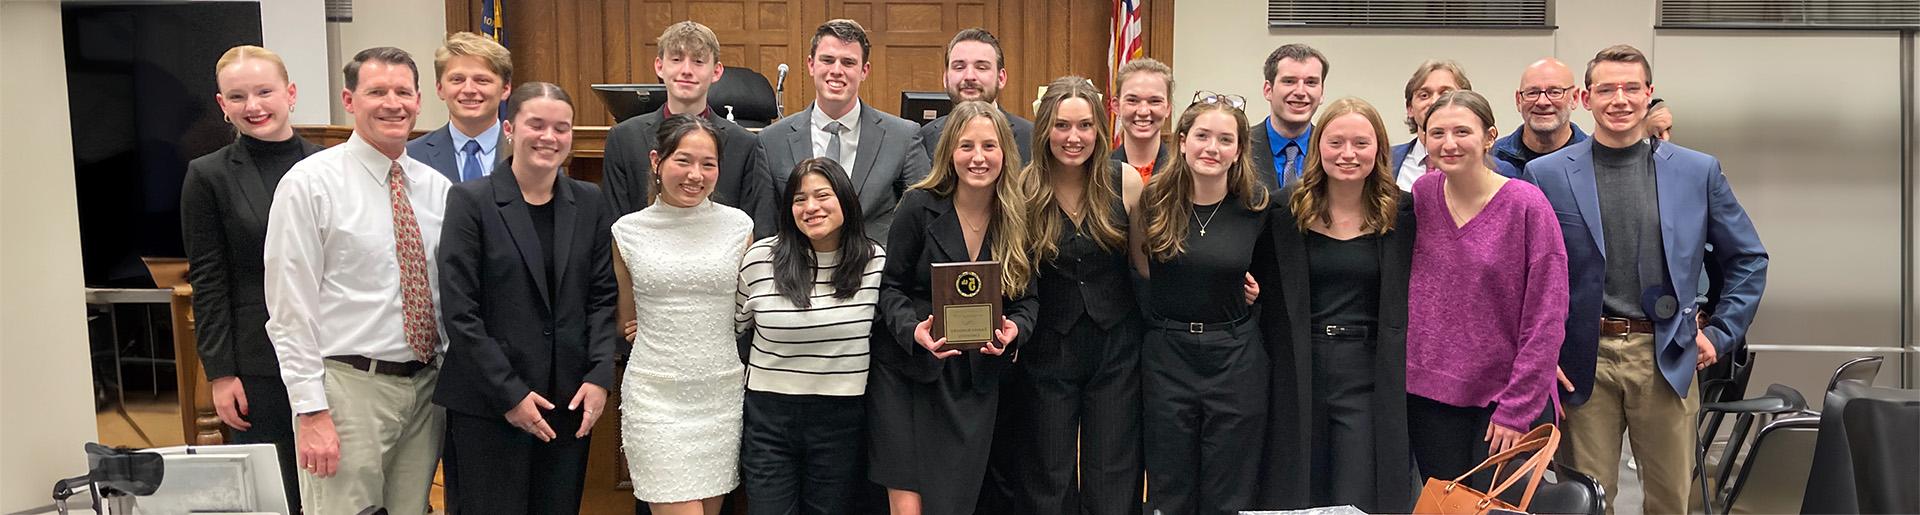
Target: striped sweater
817 350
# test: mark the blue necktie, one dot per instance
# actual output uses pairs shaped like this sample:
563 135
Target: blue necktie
470 169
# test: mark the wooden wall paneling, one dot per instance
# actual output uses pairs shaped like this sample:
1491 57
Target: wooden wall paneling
1159 27
463 15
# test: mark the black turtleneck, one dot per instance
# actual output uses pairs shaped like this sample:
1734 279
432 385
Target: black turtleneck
272 158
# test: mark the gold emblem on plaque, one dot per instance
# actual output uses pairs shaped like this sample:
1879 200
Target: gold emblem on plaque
968 284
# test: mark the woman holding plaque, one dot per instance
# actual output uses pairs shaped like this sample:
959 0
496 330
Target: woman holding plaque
1084 359
527 297
1343 238
223 215
933 408
678 266
808 296
1204 371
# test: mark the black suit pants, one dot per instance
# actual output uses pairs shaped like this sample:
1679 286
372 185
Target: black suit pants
1205 402
1448 440
1343 432
1085 410
501 469
272 419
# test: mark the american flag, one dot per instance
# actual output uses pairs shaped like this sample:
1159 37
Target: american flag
1127 44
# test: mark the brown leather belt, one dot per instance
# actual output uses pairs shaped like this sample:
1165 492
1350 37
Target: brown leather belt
385 368
1611 326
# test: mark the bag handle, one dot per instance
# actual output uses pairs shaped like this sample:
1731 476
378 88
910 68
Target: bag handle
1544 441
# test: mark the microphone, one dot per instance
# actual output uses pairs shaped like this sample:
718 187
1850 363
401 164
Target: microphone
780 86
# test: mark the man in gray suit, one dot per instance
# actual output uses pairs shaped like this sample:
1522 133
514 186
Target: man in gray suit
976 70
881 152
689 63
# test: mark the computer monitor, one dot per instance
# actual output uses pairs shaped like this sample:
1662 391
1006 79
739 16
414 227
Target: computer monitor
629 100
218 478
923 106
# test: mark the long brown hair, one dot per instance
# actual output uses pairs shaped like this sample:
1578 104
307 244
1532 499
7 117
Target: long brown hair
1169 195
1382 196
1008 217
1044 222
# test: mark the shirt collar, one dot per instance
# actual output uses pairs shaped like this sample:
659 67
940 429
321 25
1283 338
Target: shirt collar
851 119
1278 143
668 113
487 138
375 163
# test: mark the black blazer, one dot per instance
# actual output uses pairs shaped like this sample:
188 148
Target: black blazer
1287 482
1260 151
925 232
1160 161
505 338
743 184
223 218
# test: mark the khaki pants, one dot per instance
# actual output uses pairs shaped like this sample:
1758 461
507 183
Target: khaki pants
1630 395
390 433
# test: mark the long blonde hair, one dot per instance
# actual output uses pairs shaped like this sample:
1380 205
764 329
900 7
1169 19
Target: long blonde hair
1169 195
1382 196
1045 222
1008 217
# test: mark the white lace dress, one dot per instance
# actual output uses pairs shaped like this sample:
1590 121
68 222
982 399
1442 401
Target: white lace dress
681 398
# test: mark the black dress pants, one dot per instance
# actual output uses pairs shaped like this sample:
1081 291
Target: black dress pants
271 417
1343 432
1085 410
800 454
501 469
1448 440
1205 402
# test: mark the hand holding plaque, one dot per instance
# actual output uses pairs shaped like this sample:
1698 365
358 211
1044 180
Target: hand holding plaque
966 305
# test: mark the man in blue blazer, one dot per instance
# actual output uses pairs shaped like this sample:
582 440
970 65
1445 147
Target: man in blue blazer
474 73
1633 248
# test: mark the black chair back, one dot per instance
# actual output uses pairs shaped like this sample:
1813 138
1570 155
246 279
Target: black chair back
746 95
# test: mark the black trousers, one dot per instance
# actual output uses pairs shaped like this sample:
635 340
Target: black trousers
501 469
1448 440
1085 410
272 419
1343 432
1206 398
1004 490
800 454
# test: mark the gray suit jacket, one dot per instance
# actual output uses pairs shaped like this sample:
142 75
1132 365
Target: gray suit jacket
889 159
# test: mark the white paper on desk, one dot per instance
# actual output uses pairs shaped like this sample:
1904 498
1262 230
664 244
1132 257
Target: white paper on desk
1326 510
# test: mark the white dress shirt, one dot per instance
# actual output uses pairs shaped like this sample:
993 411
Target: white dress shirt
849 140
1413 167
333 279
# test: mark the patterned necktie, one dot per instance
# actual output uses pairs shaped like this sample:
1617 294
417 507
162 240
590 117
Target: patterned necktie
470 169
416 300
834 151
1289 172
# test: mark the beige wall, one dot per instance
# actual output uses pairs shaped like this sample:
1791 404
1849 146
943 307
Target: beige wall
297 30
1812 148
46 385
416 26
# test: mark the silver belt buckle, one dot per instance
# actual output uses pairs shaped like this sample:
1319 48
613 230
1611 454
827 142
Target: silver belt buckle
1196 328
1331 330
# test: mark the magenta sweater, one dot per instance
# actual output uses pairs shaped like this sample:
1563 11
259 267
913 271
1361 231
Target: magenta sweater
1487 302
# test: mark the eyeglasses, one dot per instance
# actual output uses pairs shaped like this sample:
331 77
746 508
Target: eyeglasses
1208 97
1632 89
1554 94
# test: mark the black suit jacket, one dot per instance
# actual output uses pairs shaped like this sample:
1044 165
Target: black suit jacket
505 338
223 218
1260 151
927 232
1286 324
1022 135
627 174
436 150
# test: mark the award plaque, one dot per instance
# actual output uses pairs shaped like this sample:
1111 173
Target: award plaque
966 303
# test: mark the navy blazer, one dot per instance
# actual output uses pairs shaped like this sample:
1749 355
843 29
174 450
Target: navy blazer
436 150
1697 207
511 330
929 232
